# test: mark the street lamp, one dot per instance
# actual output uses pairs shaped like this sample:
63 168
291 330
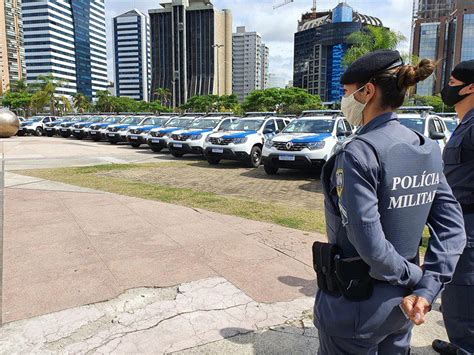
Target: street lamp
218 46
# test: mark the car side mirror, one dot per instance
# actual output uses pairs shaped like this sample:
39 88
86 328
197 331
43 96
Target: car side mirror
341 134
267 131
437 135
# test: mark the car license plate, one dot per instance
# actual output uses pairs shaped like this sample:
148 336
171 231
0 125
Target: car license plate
155 141
287 157
177 145
77 130
134 137
218 150
111 134
63 130
93 133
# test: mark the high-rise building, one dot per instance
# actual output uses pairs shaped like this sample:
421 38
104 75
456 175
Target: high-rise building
444 32
320 46
67 39
249 62
12 52
191 46
132 55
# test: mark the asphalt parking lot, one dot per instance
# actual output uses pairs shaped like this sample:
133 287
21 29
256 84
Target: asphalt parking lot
85 270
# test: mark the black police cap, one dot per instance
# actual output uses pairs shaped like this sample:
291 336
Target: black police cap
464 72
371 64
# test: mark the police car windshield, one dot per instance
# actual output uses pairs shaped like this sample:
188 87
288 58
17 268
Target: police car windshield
204 123
36 119
310 126
95 119
451 125
179 122
131 120
246 125
153 121
416 124
112 119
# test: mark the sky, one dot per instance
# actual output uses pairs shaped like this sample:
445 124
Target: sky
277 27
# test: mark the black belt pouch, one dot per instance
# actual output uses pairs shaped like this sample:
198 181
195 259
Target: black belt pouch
324 255
354 280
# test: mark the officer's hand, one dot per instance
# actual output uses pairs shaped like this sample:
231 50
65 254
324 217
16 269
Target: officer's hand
416 308
421 308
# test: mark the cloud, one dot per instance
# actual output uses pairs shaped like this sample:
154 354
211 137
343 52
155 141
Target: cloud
278 27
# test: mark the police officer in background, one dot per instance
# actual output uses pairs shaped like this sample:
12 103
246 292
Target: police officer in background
458 297
381 189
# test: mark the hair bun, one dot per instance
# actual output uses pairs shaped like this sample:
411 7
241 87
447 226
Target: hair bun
410 75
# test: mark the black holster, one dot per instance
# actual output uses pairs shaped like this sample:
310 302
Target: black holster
338 276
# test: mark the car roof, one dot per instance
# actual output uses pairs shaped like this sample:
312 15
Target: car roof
314 118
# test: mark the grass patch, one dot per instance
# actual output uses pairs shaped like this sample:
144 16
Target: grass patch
89 177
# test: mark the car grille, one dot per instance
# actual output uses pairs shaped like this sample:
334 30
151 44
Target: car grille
94 127
179 137
293 147
220 141
77 126
157 134
112 129
135 131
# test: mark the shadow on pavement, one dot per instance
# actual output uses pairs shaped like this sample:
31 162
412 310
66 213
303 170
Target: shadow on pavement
306 287
278 340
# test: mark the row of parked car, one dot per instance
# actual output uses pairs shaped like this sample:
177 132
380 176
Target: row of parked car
254 139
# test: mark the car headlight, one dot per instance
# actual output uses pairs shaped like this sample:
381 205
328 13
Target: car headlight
195 137
316 145
240 140
208 138
269 143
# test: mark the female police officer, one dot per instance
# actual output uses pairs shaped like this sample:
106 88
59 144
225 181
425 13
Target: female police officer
381 189
458 297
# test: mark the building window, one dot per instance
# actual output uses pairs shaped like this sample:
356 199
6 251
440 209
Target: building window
467 52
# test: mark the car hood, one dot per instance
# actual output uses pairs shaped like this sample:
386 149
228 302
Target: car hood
301 137
145 128
232 135
168 129
192 132
119 126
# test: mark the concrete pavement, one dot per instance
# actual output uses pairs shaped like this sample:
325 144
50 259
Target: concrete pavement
87 271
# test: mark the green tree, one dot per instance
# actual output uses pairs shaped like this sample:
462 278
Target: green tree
18 97
104 102
81 103
370 39
287 101
124 104
212 103
157 107
163 95
434 101
45 96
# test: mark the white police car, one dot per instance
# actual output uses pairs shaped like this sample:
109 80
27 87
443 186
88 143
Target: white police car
98 131
159 137
65 128
243 140
191 140
37 124
117 133
451 121
422 120
138 135
81 129
306 142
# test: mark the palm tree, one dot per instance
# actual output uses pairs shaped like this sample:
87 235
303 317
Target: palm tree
164 95
46 93
64 104
104 101
370 39
81 103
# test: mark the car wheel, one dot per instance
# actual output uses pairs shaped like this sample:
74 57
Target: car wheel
135 145
49 134
177 155
213 160
20 133
255 157
270 169
39 131
156 149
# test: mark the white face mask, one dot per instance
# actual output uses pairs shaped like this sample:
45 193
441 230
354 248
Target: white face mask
353 109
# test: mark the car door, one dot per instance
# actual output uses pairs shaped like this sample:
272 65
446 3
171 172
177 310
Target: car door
341 130
281 124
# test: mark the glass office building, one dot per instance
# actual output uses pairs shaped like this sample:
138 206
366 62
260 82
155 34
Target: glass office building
67 39
132 55
444 32
320 46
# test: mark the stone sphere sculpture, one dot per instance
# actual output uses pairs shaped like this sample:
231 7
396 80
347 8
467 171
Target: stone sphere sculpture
9 123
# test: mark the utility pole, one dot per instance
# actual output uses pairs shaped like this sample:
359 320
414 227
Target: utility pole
218 46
